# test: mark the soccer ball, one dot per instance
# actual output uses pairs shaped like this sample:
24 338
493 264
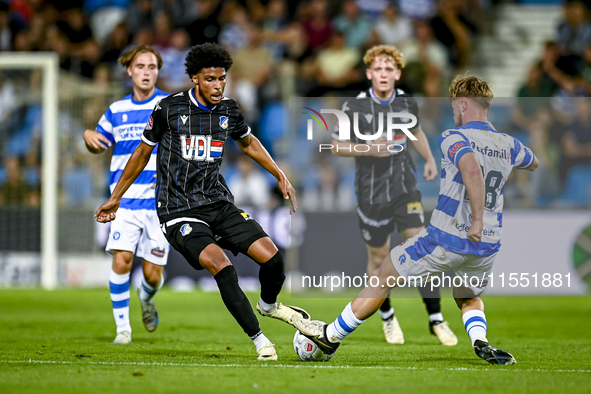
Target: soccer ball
308 350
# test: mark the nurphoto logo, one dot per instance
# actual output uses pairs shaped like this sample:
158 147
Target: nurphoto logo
387 123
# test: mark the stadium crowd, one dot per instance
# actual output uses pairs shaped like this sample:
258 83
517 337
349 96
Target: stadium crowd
284 49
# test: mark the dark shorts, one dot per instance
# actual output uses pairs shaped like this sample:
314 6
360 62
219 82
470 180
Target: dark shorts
377 222
193 230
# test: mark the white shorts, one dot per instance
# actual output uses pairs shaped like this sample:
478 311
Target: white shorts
138 231
420 256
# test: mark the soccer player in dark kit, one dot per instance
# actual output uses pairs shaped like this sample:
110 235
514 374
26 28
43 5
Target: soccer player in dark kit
195 207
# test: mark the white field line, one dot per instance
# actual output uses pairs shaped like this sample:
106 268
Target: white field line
297 366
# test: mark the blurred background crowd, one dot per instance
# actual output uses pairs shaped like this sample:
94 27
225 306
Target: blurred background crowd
538 57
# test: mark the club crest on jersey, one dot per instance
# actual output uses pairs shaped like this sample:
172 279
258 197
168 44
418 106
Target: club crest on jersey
124 118
201 147
116 235
223 122
366 235
186 229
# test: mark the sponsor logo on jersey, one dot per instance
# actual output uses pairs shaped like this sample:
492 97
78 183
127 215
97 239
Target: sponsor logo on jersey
184 118
223 122
200 147
186 229
454 149
402 259
157 252
150 123
414 208
245 215
116 235
486 151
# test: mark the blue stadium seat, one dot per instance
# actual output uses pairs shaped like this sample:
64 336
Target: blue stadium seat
577 186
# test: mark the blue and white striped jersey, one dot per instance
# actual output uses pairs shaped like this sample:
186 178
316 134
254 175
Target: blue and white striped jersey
497 154
123 124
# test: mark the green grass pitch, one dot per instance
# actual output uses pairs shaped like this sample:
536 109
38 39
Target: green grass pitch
60 342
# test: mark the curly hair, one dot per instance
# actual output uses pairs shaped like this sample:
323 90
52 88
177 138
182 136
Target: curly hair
127 58
205 56
387 50
473 87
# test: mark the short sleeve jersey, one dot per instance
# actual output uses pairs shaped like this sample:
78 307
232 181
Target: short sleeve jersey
382 180
123 124
497 154
191 141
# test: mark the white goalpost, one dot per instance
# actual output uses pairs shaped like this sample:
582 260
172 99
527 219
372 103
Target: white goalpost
48 63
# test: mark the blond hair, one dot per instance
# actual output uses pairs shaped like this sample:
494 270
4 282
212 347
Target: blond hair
384 50
127 58
473 87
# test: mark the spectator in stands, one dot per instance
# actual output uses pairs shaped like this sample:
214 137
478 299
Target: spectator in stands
392 28
181 12
574 33
373 8
249 186
105 15
9 26
576 141
426 59
117 41
234 35
334 68
141 15
418 9
15 191
316 24
252 69
454 29
206 28
355 26
533 97
172 77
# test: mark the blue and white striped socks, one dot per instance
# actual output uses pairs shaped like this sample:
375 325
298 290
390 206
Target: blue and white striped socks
148 292
119 286
475 324
344 325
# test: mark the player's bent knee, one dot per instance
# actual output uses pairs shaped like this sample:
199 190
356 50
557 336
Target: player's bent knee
213 259
262 250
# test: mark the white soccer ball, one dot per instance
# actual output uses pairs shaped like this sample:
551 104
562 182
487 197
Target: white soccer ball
308 350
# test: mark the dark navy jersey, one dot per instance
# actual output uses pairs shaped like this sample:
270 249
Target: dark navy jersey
191 141
382 180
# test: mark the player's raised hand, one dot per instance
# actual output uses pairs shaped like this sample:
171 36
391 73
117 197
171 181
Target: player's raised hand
288 193
95 141
379 148
430 170
106 212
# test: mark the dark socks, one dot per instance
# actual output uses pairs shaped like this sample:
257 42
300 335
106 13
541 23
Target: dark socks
431 298
272 276
236 301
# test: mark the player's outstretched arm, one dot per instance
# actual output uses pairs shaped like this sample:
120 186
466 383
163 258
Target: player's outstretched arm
252 147
421 144
96 142
134 167
474 182
377 148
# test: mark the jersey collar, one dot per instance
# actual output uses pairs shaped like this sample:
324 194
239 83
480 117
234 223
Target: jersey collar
197 103
379 100
156 93
478 125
